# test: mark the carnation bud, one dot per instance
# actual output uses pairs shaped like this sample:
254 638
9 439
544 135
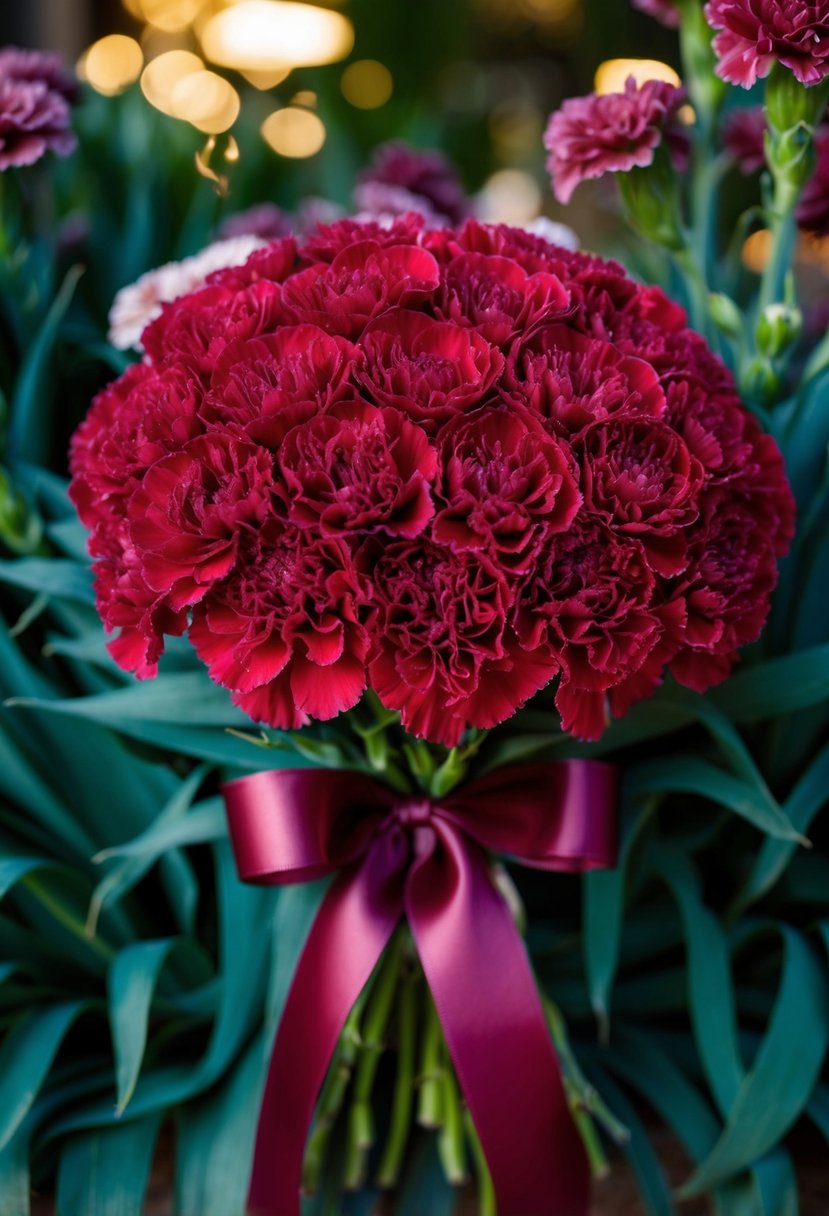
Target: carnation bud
651 199
760 381
20 529
779 327
792 112
726 315
707 91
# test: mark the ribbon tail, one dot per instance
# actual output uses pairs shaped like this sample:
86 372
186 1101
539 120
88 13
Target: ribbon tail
486 997
355 921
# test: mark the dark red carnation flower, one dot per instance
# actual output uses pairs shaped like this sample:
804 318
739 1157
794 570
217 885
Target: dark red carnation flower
358 469
587 605
428 369
813 208
639 477
273 264
328 240
572 381
133 422
194 329
507 485
497 296
724 590
283 633
612 133
263 387
363 280
442 653
756 34
188 514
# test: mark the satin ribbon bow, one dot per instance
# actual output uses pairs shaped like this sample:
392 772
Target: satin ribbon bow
426 860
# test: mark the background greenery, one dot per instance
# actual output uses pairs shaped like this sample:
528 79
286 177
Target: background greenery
140 982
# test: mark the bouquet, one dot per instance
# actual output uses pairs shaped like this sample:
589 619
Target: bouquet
408 479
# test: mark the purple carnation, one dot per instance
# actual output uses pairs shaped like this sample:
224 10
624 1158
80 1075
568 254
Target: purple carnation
612 133
756 34
663 10
34 108
265 220
744 138
402 179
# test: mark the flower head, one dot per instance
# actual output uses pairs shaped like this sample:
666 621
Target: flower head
744 138
35 97
665 11
612 133
755 34
813 208
402 179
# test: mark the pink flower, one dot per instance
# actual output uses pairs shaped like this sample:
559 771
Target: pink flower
813 208
756 34
663 10
35 97
401 179
612 133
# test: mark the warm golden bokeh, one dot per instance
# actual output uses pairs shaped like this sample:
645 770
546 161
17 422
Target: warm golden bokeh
611 75
164 73
111 64
260 35
294 132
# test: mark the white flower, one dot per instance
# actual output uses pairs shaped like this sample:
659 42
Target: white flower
135 306
552 231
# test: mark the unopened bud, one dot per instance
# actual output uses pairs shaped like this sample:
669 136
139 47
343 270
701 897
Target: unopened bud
779 327
726 315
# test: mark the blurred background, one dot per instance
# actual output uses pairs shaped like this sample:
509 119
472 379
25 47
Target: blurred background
297 98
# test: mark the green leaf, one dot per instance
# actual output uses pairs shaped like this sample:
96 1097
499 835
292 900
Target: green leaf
776 687
205 822
12 869
777 1088
186 697
26 1058
15 1184
692 775
52 576
803 803
105 1172
215 1143
28 430
710 985
131 983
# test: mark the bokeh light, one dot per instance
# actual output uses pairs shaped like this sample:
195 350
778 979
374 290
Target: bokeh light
162 75
294 132
757 250
259 35
611 75
172 16
367 84
509 196
207 101
111 64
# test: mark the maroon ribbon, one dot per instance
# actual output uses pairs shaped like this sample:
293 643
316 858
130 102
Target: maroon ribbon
426 860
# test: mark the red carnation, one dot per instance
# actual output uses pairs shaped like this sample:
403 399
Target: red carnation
497 296
263 387
506 484
363 280
813 208
187 516
443 654
519 465
358 469
744 138
612 133
588 603
573 381
639 477
756 34
284 633
429 369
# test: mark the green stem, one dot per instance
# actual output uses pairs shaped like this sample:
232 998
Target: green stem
430 1100
360 1133
692 273
451 1149
486 1191
401 1113
331 1101
783 242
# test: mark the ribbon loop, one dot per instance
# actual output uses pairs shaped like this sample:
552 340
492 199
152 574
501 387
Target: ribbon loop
292 825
